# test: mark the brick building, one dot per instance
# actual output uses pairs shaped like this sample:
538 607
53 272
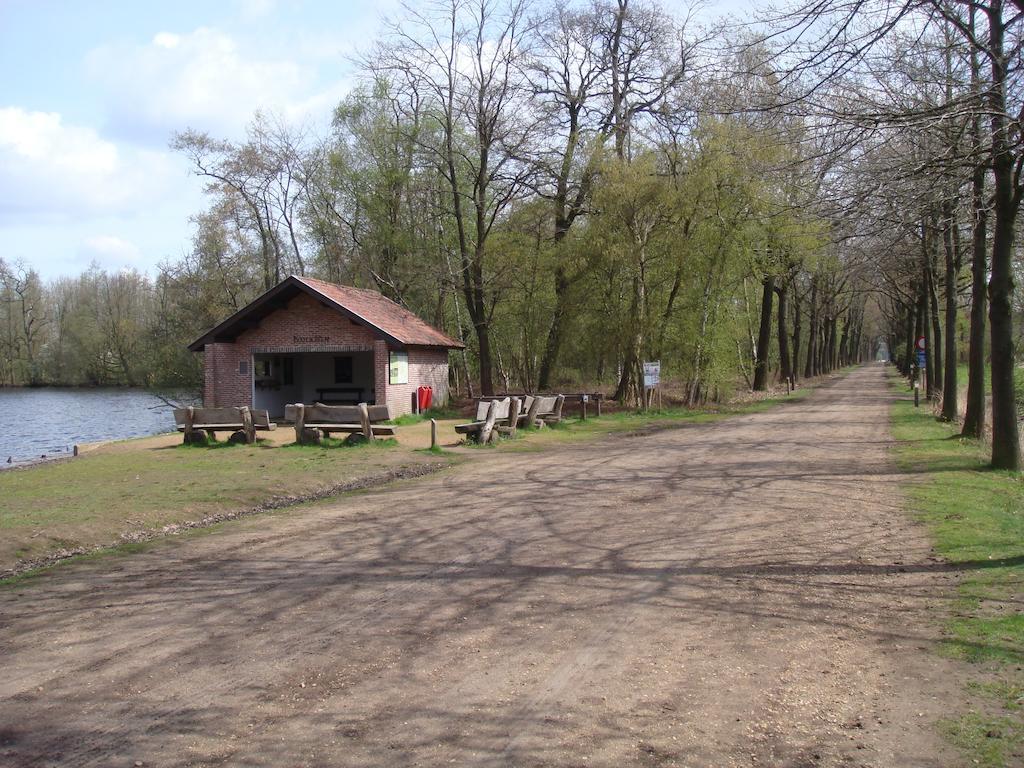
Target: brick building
306 341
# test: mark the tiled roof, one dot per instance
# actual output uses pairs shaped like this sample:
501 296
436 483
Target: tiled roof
368 308
382 313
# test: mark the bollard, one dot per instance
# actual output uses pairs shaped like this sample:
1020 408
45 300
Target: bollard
917 394
583 407
433 434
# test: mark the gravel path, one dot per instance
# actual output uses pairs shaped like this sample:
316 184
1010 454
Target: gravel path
740 593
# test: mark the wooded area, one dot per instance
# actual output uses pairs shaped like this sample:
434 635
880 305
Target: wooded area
573 188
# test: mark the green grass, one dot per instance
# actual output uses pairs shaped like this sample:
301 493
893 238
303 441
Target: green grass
976 518
435 450
94 499
430 413
576 429
989 740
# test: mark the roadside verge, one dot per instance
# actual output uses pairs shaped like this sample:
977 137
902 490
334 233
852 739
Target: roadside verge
976 519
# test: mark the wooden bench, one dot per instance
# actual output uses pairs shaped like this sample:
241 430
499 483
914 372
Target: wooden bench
317 420
198 424
544 409
351 395
492 417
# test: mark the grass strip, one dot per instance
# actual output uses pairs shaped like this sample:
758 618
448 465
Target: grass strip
976 518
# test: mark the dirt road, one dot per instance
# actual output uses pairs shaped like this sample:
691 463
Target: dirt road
746 592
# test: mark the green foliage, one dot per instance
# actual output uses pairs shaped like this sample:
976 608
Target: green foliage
576 242
100 328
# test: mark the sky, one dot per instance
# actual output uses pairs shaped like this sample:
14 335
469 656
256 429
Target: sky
94 90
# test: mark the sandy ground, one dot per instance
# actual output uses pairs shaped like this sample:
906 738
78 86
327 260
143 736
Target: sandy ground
409 436
740 593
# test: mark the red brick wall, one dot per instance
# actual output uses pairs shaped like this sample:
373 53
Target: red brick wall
305 326
428 366
319 329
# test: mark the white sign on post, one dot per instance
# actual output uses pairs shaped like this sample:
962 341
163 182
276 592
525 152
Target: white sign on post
652 374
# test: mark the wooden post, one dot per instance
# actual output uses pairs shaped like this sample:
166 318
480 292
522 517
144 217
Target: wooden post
433 434
597 399
247 425
531 415
190 436
513 416
300 422
559 401
76 450
488 428
364 419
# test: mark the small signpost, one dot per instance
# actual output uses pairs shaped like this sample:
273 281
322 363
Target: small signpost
652 381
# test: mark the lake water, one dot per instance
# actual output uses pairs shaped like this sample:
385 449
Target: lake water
50 421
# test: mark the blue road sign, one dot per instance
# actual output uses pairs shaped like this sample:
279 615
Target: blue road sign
920 358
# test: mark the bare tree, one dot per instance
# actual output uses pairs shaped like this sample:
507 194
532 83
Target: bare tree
465 58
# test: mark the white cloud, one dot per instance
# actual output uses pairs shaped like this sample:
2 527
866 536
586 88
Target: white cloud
202 79
166 40
49 167
111 251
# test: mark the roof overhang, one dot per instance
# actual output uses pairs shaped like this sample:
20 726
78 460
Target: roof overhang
278 297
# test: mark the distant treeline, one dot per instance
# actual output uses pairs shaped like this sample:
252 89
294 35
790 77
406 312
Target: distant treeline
99 328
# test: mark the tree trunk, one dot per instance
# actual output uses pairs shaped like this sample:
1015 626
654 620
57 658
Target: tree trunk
830 360
843 354
936 340
913 323
785 369
554 341
795 365
924 323
1005 203
764 335
950 409
974 419
812 332
483 338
